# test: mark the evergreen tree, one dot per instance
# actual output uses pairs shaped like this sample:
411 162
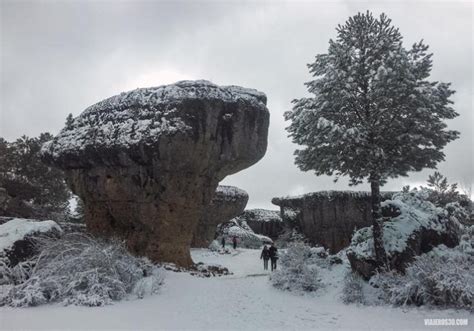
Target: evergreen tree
26 178
373 113
442 193
69 121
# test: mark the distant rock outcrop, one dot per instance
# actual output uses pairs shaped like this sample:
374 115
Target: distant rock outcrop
18 237
328 218
242 232
263 221
146 163
227 203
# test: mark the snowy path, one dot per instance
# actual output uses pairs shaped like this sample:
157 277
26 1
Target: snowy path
244 300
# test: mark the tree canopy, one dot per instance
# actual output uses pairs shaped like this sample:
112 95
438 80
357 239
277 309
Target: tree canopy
372 110
26 178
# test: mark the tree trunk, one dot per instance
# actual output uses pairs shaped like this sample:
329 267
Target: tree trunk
377 229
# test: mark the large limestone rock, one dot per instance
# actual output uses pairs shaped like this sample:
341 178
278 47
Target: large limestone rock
227 203
328 218
147 162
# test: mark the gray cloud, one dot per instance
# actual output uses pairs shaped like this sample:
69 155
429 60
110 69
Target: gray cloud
60 57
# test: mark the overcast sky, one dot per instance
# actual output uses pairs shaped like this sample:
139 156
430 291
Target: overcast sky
59 57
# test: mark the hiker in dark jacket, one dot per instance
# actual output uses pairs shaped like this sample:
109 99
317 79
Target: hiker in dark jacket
223 242
265 256
273 256
234 241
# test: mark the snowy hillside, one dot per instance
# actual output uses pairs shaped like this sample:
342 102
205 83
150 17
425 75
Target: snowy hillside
244 300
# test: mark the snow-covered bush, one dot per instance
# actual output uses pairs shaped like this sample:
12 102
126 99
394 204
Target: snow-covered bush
353 290
216 246
443 277
297 270
80 270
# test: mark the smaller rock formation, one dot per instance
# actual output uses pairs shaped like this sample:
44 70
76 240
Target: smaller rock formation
18 238
414 226
227 203
246 238
328 218
262 221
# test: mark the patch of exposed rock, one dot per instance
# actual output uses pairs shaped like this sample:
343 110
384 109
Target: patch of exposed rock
227 203
328 218
262 221
146 163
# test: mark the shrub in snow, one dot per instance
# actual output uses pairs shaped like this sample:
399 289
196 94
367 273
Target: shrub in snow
216 246
444 277
353 290
80 270
297 270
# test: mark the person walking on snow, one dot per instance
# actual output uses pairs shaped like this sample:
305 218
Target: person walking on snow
273 256
234 241
223 242
265 256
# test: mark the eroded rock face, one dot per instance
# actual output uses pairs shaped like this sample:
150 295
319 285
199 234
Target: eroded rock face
263 221
328 218
227 203
147 162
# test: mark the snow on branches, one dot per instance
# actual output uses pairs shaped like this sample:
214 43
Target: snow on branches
372 109
77 269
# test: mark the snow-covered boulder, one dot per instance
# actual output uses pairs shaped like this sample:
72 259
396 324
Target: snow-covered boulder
227 203
147 162
263 221
414 226
18 237
245 236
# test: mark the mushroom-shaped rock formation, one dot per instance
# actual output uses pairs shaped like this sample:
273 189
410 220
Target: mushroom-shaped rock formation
227 203
147 162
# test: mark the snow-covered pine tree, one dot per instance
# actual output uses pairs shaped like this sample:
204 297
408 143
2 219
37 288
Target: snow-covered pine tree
69 121
373 113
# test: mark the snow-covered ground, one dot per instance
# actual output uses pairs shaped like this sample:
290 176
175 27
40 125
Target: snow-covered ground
244 300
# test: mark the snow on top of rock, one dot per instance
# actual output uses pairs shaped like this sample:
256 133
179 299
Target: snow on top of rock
18 228
415 213
186 89
329 195
141 115
230 193
261 215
